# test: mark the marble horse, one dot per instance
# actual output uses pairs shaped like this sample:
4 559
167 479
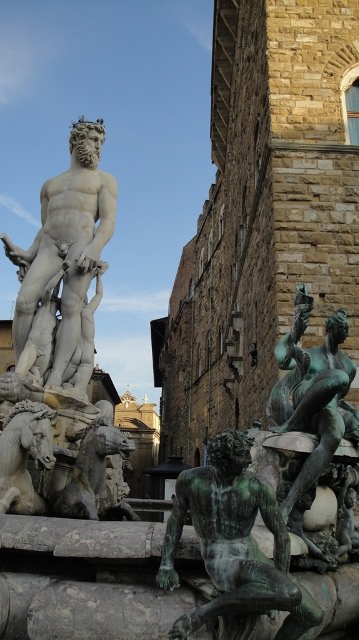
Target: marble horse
28 431
88 483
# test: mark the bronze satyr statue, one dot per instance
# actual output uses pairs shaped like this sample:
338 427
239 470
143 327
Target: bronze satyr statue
224 500
320 377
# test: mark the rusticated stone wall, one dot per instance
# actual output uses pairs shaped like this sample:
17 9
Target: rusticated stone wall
240 276
175 361
312 44
317 236
288 196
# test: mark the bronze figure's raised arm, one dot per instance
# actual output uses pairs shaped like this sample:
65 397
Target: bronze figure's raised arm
310 397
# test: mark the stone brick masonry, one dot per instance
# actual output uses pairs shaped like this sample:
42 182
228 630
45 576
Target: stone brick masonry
284 210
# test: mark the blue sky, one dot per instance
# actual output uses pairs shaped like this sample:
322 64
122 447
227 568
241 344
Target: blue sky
145 67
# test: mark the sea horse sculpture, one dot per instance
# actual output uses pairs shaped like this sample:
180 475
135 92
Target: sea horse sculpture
88 483
28 430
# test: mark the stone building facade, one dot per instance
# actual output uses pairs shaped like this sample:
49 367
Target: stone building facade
141 422
7 355
284 210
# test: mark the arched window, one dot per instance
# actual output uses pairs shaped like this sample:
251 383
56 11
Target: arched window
221 222
199 363
197 458
236 414
256 157
208 351
349 88
201 263
352 110
191 290
210 246
243 226
236 256
220 341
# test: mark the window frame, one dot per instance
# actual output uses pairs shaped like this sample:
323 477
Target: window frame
347 82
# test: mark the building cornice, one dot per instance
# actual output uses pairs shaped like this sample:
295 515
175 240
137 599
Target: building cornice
224 45
284 145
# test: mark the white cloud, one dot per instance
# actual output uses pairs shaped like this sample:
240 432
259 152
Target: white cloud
16 63
200 31
24 49
124 351
193 19
152 304
15 207
128 360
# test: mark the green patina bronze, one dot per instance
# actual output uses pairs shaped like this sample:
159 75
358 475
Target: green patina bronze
311 397
224 500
